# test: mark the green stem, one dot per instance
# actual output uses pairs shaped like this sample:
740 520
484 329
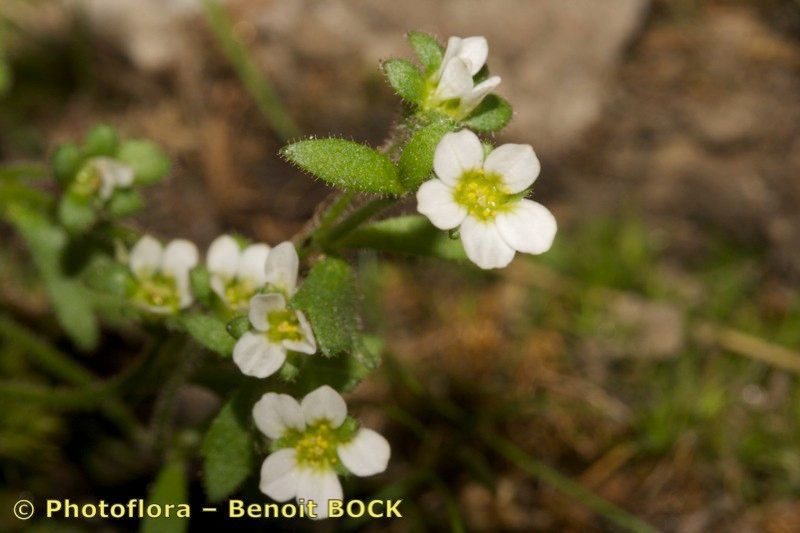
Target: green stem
58 398
358 217
564 484
55 362
253 79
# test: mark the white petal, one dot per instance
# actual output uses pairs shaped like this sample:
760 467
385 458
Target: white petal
324 403
367 454
474 51
435 201
146 256
223 256
279 475
113 174
478 93
456 81
256 356
308 344
218 286
529 228
180 256
253 263
451 51
484 245
263 304
275 413
281 267
319 487
516 163
455 153
183 285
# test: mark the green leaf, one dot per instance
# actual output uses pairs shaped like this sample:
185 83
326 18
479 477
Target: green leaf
149 163
210 332
124 202
67 160
170 487
102 140
405 79
492 114
228 454
428 50
328 298
344 371
71 302
238 326
108 276
416 161
200 282
345 164
411 234
76 213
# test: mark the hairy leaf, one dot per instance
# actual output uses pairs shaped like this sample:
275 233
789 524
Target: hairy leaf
344 371
416 161
328 298
210 332
492 114
428 50
228 454
405 79
410 234
345 164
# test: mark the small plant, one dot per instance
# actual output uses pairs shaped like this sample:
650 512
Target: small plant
288 316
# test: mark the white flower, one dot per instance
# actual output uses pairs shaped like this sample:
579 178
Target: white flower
236 273
277 329
315 446
101 176
454 90
162 274
482 197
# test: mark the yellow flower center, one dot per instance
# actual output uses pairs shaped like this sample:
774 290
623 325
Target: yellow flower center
238 293
482 195
158 290
283 326
317 447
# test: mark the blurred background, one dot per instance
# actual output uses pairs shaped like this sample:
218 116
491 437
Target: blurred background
650 358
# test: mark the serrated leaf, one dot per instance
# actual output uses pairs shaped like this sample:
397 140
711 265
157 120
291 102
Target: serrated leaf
148 161
428 50
416 161
492 114
170 487
210 332
405 79
228 456
410 234
345 164
71 302
328 298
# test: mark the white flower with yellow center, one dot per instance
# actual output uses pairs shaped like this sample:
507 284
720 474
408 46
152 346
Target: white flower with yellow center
315 441
482 197
236 273
101 176
451 88
162 274
276 328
